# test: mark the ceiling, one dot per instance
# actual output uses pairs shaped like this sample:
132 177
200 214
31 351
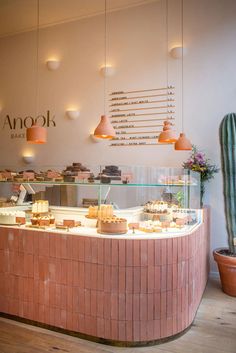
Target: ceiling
18 16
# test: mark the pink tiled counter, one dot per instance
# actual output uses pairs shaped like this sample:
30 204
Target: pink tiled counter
132 291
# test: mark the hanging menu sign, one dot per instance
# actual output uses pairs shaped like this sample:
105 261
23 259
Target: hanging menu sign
137 116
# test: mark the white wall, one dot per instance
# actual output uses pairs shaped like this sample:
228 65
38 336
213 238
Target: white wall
136 46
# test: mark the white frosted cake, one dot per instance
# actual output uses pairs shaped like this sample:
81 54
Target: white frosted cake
40 206
11 217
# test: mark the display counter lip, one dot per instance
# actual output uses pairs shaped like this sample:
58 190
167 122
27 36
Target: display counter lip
94 234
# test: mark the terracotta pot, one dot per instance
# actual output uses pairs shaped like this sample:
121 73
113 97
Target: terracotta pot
227 269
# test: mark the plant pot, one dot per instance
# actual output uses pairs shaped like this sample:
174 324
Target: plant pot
227 269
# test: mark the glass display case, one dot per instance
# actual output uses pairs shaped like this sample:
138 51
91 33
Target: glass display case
106 200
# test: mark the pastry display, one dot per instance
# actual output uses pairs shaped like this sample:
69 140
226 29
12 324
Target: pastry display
70 223
40 206
177 180
42 220
151 226
112 225
12 217
109 173
102 211
76 172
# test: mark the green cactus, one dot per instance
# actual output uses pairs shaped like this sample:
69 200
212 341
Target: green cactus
228 163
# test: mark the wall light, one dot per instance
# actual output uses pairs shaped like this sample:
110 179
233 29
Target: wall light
177 52
72 114
53 64
107 70
28 158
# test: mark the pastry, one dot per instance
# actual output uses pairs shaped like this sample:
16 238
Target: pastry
112 225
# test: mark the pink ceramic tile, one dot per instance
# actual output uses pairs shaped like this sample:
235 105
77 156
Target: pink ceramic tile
129 331
100 327
94 250
107 252
169 277
41 313
114 278
163 251
169 327
58 245
87 275
78 249
58 295
122 279
137 279
80 320
163 305
156 329
122 252
136 328
174 250
122 306
107 305
93 302
163 278
87 302
69 320
136 307
163 327
129 306
75 273
143 331
63 297
144 252
94 274
150 330
58 270
169 311
150 306
52 246
143 307
52 293
100 251
64 271
107 278
109 325
179 251
44 244
100 277
151 248
157 252
64 240
115 306
129 252
144 280
69 272
122 331
136 253
151 278
129 280
170 251
114 252
31 289
87 249
79 298
52 268
81 282
100 304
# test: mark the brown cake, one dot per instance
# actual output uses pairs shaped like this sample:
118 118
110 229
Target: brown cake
112 225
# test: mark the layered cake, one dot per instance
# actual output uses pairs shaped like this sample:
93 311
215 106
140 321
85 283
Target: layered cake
151 226
102 211
112 225
76 172
156 207
40 220
110 172
40 206
12 217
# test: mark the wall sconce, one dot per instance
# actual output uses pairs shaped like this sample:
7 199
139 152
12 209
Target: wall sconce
107 70
96 139
177 51
53 65
72 114
28 158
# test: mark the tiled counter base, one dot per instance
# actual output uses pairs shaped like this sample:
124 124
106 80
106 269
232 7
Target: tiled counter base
124 292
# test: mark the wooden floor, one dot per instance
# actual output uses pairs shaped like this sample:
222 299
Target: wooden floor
214 331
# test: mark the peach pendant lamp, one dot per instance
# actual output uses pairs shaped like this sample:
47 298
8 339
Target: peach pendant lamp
105 130
183 144
36 134
167 135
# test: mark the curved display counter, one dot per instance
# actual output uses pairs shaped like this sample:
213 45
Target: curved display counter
126 290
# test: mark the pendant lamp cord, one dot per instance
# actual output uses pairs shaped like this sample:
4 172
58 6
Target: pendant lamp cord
182 71
37 64
167 54
105 52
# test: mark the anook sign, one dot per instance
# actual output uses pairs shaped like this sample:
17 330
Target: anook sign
16 125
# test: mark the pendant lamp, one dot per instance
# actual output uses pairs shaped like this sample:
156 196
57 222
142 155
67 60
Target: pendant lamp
167 135
183 144
105 130
36 134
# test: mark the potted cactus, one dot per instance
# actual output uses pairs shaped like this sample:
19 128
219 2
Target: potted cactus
226 257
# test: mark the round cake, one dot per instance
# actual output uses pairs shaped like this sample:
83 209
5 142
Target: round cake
112 225
12 217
